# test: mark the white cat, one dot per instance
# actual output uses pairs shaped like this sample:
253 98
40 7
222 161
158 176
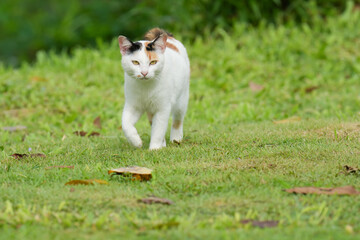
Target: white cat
157 73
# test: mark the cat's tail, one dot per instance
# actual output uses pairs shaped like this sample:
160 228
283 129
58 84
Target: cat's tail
156 32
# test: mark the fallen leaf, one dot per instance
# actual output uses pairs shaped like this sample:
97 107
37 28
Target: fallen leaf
346 190
288 120
311 89
83 134
351 170
20 155
52 167
80 133
261 224
14 128
97 122
255 87
86 182
138 173
94 134
151 200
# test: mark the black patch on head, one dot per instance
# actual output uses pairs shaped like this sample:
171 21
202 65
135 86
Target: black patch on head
150 46
134 47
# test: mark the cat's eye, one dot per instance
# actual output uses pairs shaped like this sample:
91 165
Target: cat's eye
153 62
135 62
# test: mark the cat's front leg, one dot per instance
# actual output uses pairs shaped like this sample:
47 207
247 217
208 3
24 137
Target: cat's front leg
129 118
158 129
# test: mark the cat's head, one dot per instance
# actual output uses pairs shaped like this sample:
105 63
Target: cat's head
143 60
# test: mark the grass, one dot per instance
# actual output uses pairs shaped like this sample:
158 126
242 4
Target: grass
234 162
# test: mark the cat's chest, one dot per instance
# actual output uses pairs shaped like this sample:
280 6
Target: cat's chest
148 98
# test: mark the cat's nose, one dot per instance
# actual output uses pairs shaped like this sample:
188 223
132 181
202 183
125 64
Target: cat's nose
144 73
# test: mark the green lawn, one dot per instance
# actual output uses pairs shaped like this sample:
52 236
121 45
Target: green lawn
234 161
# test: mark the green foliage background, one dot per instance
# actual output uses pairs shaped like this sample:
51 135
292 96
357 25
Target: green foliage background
234 161
27 26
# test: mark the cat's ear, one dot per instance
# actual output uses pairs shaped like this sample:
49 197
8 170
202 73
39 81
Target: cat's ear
160 43
124 44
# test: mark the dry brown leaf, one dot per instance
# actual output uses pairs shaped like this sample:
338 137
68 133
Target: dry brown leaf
346 190
351 170
94 134
288 120
138 173
255 87
19 155
24 155
80 133
97 122
86 182
151 200
311 89
52 167
83 134
261 224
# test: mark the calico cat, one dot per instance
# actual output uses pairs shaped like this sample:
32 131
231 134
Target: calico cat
157 73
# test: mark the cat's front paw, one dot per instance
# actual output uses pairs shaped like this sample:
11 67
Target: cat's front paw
176 136
157 146
136 142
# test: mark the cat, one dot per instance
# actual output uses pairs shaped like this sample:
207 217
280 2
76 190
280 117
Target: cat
157 76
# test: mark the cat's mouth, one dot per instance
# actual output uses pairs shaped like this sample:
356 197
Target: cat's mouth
142 77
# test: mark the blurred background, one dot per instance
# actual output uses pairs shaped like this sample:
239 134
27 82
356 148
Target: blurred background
27 26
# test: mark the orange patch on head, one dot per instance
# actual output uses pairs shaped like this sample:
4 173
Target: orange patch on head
172 46
151 54
156 32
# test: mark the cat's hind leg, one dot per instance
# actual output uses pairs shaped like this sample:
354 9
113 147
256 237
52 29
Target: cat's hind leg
176 134
129 118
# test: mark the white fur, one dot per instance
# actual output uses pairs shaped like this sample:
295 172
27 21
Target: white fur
164 90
